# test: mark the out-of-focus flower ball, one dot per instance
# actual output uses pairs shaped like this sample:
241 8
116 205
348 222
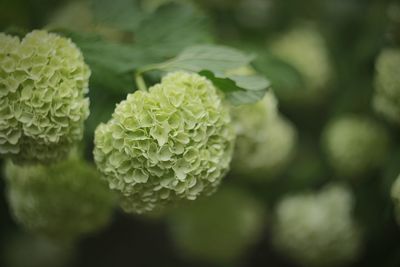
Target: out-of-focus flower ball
304 48
318 229
60 201
171 143
355 145
265 139
217 229
43 83
386 100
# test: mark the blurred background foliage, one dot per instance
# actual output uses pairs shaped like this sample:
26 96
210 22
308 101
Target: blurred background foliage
116 37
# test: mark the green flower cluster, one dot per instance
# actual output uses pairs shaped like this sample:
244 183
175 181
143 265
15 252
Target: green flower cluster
43 82
355 145
60 201
217 229
173 142
304 48
386 100
318 229
395 193
265 139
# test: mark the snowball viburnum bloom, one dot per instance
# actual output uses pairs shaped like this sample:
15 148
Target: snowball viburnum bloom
218 229
355 145
43 83
318 229
305 49
265 139
60 201
170 143
386 100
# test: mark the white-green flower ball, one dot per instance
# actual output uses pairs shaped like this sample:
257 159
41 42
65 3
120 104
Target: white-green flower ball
355 145
318 229
61 201
43 83
305 49
265 140
218 229
171 143
386 100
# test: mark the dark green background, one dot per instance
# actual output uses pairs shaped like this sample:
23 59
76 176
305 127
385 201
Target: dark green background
355 30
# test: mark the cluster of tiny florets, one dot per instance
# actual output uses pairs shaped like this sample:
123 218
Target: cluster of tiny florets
355 145
386 100
217 229
170 143
318 229
265 139
60 201
43 82
304 48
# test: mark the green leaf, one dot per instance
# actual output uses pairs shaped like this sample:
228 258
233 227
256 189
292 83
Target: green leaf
282 75
253 88
102 106
172 28
114 82
122 14
112 64
118 57
253 82
245 97
215 62
239 89
216 58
